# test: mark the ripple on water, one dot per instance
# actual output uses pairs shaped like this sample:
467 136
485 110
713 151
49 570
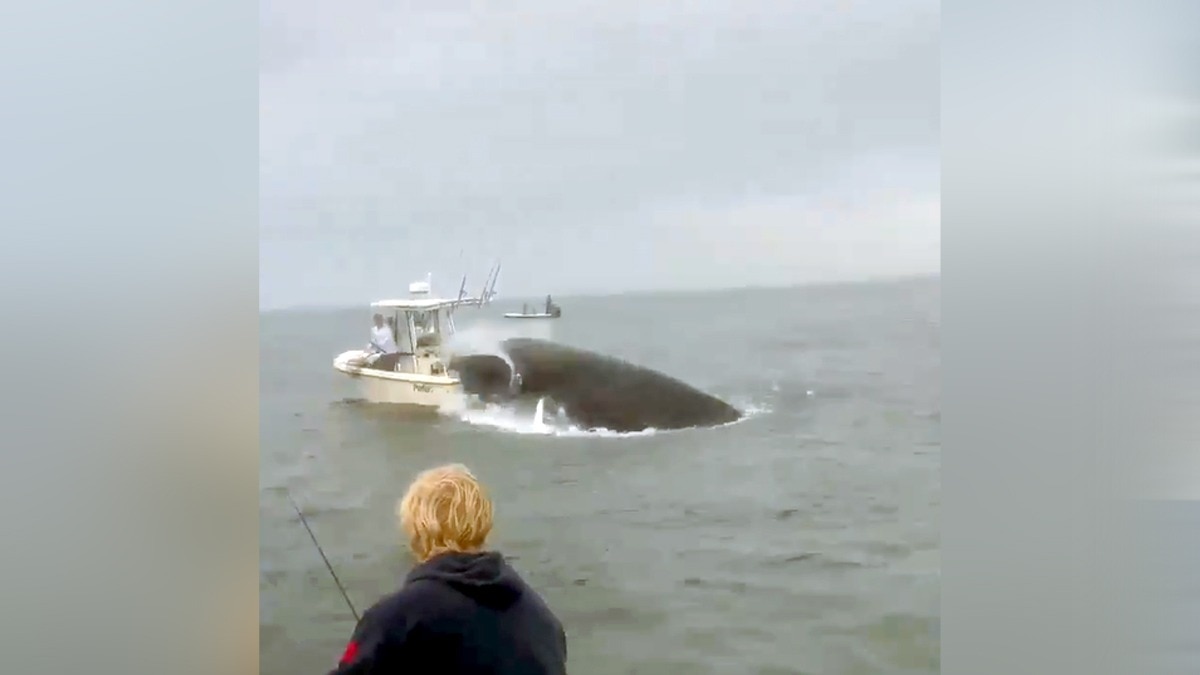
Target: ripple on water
899 640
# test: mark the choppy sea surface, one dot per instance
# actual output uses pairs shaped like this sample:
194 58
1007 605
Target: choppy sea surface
803 539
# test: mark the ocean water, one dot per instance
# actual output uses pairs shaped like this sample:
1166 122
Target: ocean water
803 539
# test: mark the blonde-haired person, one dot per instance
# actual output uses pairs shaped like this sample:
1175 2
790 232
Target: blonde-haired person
462 609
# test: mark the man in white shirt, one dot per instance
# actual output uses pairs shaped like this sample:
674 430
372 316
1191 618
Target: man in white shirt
382 340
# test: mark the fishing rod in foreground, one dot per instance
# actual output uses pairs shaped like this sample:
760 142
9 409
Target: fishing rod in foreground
328 566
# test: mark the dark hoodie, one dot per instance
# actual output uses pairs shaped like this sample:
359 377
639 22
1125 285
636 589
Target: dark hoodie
458 613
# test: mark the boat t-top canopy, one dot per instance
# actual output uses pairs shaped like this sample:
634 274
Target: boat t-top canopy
421 304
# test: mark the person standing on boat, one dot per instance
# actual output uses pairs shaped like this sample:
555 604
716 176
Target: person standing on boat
462 609
383 341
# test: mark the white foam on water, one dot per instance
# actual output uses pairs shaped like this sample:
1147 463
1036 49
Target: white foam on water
511 418
751 409
539 415
515 419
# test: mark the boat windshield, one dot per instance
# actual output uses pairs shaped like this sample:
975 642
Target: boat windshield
421 321
427 322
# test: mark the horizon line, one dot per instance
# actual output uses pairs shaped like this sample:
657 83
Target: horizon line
897 278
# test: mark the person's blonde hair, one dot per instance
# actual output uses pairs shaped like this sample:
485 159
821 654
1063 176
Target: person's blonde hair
445 510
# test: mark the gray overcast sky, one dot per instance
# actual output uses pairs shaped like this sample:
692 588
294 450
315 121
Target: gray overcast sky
594 146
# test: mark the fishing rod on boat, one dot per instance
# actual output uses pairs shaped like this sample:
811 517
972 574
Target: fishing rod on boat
328 566
489 285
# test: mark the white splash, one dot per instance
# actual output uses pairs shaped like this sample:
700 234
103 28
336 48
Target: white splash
482 338
539 415
512 418
752 409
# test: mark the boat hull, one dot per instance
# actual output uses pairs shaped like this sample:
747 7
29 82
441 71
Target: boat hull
398 388
515 315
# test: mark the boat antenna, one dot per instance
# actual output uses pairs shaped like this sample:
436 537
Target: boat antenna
328 566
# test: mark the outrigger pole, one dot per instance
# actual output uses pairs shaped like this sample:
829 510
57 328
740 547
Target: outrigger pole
492 291
462 290
489 286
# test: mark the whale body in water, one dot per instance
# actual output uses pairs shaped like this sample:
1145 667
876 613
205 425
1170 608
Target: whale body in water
595 391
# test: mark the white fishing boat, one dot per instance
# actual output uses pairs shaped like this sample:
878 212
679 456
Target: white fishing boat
552 311
416 373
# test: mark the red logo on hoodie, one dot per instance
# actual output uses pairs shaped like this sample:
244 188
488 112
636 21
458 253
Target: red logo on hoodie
350 653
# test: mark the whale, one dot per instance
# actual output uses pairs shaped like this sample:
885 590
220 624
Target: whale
593 390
